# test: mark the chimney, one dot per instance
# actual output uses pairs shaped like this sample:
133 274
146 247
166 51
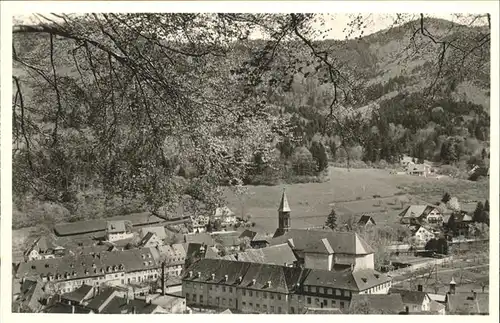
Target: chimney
474 294
240 279
226 277
253 281
199 275
268 283
213 276
190 274
163 278
420 288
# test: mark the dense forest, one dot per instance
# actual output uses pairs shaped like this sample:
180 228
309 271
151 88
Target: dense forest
106 111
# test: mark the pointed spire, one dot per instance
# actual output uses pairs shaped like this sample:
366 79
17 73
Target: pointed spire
452 281
284 207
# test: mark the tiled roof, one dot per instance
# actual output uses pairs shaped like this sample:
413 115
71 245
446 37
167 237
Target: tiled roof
350 280
202 238
253 275
80 294
78 266
377 303
275 255
116 226
340 242
416 211
410 296
159 231
466 303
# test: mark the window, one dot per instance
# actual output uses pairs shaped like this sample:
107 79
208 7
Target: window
244 303
264 307
338 292
230 289
257 294
279 297
271 295
223 301
314 289
279 309
265 295
330 291
224 288
217 300
250 304
272 309
209 299
321 290
231 301
187 295
292 310
244 292
194 297
308 300
250 293
334 303
291 297
258 306
341 304
201 298
317 301
210 287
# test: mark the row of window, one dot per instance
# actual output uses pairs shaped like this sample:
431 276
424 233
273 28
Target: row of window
324 303
230 289
328 291
264 308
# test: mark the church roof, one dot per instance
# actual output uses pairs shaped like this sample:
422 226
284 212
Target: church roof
284 207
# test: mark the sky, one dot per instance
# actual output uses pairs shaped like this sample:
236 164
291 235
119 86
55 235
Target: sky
335 24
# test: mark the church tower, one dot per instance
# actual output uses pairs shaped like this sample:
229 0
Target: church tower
284 221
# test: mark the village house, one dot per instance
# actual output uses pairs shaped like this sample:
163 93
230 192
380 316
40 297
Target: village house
150 240
262 288
174 257
376 304
417 214
225 215
418 169
366 221
199 223
463 220
472 303
159 231
422 235
257 239
414 301
43 248
65 274
118 230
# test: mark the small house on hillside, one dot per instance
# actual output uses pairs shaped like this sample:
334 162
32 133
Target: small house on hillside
414 301
257 240
418 169
118 230
225 215
422 235
366 220
150 240
416 214
159 231
43 248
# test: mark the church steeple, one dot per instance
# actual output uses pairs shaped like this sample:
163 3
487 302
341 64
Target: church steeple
284 221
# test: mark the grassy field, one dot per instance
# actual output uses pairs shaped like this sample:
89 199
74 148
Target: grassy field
351 191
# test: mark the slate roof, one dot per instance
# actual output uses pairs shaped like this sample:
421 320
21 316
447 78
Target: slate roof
359 280
340 242
253 236
42 244
80 294
78 266
119 305
96 304
283 279
410 296
31 294
159 231
61 308
465 303
378 303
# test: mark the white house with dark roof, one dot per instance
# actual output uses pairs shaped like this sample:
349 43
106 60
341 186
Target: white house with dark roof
118 230
421 213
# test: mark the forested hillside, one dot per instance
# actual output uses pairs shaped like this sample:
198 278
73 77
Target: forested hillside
107 122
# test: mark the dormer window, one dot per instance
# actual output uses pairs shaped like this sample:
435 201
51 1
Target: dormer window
268 284
213 276
364 280
46 265
33 267
254 281
377 276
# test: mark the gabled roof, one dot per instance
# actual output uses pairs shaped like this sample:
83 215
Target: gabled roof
378 303
32 293
119 305
340 242
116 226
284 207
275 255
351 280
253 275
159 231
80 294
42 243
62 308
466 303
223 211
322 246
410 296
365 219
100 300
416 211
462 216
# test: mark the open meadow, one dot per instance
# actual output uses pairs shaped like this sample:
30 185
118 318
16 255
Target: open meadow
352 192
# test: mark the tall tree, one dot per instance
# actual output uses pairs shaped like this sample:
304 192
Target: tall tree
331 220
319 154
446 197
478 215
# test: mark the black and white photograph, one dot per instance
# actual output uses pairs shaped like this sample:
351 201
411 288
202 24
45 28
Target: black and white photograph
237 162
